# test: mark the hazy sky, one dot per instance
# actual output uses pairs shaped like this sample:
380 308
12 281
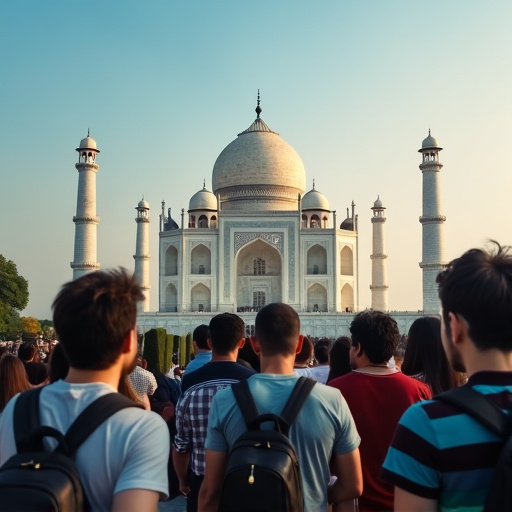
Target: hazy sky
164 86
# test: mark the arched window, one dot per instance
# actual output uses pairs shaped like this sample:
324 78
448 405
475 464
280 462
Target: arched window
346 262
213 222
202 222
192 221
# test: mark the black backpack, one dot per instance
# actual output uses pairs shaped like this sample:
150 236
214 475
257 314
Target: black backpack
34 480
263 473
492 417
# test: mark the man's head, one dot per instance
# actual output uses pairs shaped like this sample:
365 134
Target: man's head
322 351
28 351
95 317
477 289
375 334
227 333
277 330
200 337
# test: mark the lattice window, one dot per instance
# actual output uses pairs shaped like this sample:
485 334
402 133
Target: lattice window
259 267
258 299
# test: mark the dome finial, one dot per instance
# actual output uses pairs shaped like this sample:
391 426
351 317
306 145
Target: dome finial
429 131
204 184
258 108
87 132
313 183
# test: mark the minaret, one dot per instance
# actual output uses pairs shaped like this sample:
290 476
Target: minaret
142 255
86 222
432 222
379 285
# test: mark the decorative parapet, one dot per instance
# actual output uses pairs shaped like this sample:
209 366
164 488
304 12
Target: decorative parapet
85 265
427 219
378 256
86 220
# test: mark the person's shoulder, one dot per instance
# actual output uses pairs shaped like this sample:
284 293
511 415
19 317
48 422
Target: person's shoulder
415 384
342 380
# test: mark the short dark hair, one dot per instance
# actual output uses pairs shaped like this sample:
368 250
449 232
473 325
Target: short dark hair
27 350
200 336
339 358
376 333
93 315
322 352
226 330
478 287
277 328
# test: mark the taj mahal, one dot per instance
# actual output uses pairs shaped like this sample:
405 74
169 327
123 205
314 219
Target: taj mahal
259 237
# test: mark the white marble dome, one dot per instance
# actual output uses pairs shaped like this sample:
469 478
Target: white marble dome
203 200
143 204
88 143
430 142
259 170
315 200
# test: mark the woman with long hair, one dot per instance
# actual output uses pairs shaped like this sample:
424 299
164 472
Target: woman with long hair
425 358
13 378
339 359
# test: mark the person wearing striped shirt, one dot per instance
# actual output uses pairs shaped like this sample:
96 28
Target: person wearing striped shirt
440 457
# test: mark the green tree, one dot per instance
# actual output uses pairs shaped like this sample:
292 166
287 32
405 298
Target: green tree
13 297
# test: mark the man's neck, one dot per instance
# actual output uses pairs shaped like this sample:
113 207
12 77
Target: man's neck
231 357
111 376
203 351
492 360
277 365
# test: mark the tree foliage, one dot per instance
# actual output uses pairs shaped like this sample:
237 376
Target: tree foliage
13 297
31 327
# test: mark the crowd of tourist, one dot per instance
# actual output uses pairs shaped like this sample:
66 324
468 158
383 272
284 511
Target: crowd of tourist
371 435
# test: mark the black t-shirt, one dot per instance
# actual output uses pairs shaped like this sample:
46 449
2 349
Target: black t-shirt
215 370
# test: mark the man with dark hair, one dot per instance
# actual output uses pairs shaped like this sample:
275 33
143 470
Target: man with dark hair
441 458
227 335
123 463
37 371
202 350
321 370
377 397
323 433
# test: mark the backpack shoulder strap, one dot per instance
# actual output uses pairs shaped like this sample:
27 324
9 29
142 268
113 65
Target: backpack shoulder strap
245 402
92 417
26 419
300 392
480 408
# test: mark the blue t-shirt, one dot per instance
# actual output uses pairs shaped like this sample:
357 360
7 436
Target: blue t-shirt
198 361
323 426
443 454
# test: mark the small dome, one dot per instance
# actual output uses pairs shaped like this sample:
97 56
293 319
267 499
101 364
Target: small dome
314 200
348 223
203 200
143 204
430 142
88 143
377 203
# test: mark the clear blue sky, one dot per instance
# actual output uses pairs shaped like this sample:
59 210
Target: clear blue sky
164 86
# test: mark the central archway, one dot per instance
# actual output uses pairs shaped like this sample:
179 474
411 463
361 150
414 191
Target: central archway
258 276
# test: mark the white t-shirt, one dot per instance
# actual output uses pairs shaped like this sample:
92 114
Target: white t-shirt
130 450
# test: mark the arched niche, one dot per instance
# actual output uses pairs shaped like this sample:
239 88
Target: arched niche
171 261
315 222
317 298
213 222
200 298
347 298
346 262
171 299
317 260
202 222
201 260
258 275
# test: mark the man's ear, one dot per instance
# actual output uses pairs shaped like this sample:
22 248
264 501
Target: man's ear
255 345
241 343
209 342
458 328
300 343
127 341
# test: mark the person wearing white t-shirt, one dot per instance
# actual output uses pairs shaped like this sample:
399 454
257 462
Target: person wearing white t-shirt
123 463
